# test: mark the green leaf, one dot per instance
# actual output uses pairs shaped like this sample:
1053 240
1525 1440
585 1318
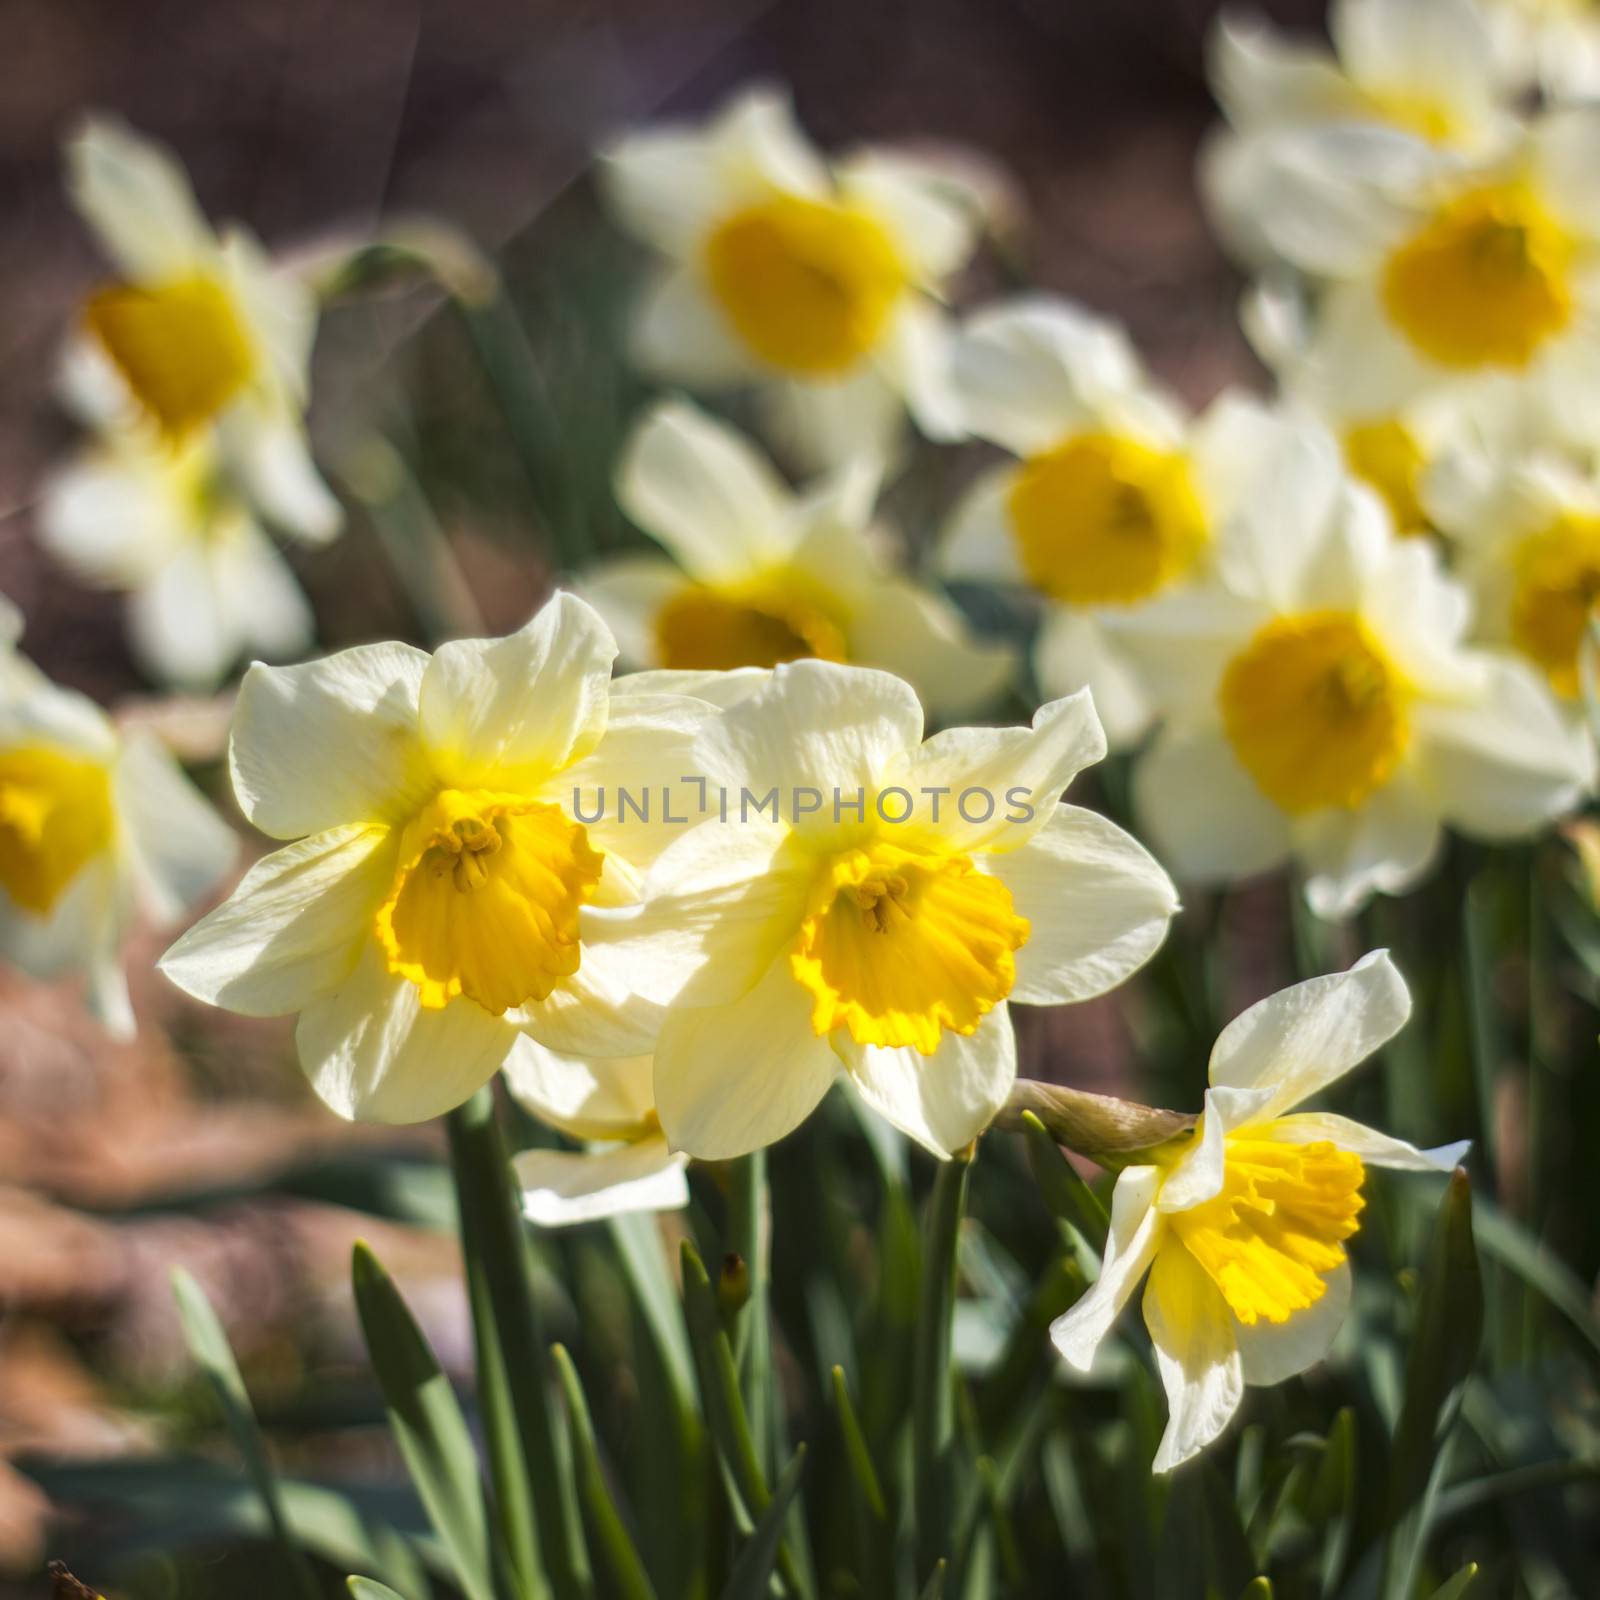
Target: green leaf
1457 1586
208 1344
427 1422
934 1587
1444 1347
1507 1241
1062 1186
752 1572
370 1589
855 1448
1257 1589
632 1581
1333 1498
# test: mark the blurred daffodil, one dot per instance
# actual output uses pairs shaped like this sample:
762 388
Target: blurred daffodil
627 1164
437 895
1554 43
880 915
820 280
1116 496
763 575
1242 1226
206 583
95 827
1321 703
196 331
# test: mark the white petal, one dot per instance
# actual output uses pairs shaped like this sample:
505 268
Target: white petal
1097 904
374 1054
137 197
1074 651
1274 1352
1198 1174
1506 766
89 918
1135 1232
1202 812
1180 645
1357 360
811 724
680 336
1374 1148
106 516
717 688
563 1187
294 928
178 632
704 491
917 356
731 1079
1400 46
1197 1356
272 455
586 1097
977 541
932 230
508 713
330 742
819 426
1305 1037
664 185
1385 847
945 1100
1022 771
629 593
179 845
1566 148
596 1011
1260 78
920 636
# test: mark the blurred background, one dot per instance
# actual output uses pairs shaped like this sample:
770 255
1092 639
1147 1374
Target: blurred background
310 120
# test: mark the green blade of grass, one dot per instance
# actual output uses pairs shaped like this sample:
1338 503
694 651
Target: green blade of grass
752 1572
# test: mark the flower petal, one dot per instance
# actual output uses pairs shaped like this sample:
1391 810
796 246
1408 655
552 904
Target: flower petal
680 335
1273 1352
731 1079
1073 651
586 1097
1130 1248
1197 1355
1303 1038
1385 847
1374 1148
330 742
563 1187
1198 1174
945 1100
1097 903
629 593
508 713
977 542
294 928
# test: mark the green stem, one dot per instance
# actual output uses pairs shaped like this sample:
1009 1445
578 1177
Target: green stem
492 1242
749 1237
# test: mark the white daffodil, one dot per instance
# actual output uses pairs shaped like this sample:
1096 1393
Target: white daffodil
1526 528
1117 496
1555 43
1427 71
198 330
1320 703
627 1165
206 585
1242 1228
820 280
1447 278
860 899
95 827
437 894
763 575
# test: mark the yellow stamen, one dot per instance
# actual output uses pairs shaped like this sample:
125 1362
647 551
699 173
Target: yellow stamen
780 618
485 901
1101 520
1557 582
55 816
1316 712
181 347
1385 455
899 945
1484 283
808 285
1277 1228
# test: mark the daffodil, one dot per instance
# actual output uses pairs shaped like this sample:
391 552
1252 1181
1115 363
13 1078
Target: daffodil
861 900
96 826
626 1164
1431 277
1554 43
206 584
1115 498
1426 72
196 330
764 575
819 280
437 893
1321 703
1243 1227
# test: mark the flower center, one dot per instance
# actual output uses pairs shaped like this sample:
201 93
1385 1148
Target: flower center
1485 283
1277 1227
807 284
757 625
55 815
1315 711
179 346
1557 582
899 945
1100 520
485 899
1385 455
